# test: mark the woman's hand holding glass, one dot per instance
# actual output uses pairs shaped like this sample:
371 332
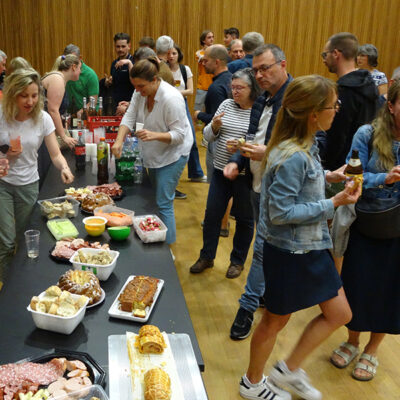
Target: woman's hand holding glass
146 135
393 175
253 151
3 167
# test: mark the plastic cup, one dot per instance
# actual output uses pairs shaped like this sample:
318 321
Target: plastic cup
139 126
32 238
15 142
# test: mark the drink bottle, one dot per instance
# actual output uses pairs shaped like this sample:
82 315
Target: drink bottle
102 162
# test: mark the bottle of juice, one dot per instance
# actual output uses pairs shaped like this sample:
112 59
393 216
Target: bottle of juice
102 162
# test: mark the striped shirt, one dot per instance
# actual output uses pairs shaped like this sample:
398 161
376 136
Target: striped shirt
235 124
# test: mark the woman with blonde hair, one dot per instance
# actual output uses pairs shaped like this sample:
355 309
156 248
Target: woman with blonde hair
17 63
370 273
66 68
298 268
26 125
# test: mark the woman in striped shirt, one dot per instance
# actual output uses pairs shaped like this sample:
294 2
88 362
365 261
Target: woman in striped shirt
230 122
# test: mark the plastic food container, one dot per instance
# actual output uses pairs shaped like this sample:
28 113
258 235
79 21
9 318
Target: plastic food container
93 226
114 221
87 393
51 213
55 323
101 271
152 236
62 228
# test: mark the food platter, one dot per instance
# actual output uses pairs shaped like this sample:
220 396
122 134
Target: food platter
185 360
96 373
115 312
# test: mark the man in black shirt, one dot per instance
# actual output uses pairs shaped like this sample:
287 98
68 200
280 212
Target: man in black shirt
118 79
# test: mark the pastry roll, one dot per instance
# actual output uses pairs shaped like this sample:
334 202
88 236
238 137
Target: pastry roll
150 340
157 385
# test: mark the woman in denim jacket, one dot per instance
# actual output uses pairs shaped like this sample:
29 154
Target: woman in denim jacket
298 268
371 274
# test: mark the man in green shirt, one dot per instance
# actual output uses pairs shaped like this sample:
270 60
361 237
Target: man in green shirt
87 85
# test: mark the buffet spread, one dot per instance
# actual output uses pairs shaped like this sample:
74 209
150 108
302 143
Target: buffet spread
61 307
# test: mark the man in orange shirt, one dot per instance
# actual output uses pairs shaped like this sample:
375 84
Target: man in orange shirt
204 80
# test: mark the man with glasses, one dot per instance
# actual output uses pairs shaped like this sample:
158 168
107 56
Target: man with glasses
269 68
359 101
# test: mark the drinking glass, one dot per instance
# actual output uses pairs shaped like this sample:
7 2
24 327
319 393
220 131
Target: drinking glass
32 238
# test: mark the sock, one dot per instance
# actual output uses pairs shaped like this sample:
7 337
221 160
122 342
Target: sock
248 383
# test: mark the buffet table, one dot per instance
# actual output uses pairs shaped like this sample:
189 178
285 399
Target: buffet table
19 338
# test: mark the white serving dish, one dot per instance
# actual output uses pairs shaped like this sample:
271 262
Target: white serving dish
153 236
86 393
115 312
101 271
56 323
45 211
110 208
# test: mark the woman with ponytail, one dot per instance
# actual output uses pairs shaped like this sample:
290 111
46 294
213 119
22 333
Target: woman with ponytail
298 268
66 68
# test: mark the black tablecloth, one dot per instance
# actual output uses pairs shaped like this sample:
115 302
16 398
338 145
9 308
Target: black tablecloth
19 338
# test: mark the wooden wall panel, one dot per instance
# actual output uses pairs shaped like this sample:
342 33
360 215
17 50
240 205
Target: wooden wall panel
39 29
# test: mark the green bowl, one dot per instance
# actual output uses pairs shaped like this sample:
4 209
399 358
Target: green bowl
119 232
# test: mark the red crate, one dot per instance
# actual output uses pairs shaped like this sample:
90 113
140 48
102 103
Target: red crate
110 123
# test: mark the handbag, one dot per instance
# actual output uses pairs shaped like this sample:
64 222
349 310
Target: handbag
378 218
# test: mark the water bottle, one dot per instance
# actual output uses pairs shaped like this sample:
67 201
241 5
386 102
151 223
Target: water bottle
125 164
138 169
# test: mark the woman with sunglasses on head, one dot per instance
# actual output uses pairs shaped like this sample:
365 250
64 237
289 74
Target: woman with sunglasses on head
165 138
231 121
370 272
21 114
299 271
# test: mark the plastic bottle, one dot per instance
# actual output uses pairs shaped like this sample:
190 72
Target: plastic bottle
138 169
80 153
102 162
354 168
125 164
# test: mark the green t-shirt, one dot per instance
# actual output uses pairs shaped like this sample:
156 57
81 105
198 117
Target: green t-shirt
87 85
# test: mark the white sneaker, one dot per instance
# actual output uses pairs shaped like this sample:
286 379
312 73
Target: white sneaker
296 381
265 390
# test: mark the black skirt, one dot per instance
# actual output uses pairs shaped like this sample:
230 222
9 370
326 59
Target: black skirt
297 281
371 280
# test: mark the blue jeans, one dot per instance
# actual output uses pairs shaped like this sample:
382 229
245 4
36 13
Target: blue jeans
194 167
255 285
221 190
165 180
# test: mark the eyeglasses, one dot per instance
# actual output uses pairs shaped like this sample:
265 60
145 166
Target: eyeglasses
264 68
238 88
325 53
335 107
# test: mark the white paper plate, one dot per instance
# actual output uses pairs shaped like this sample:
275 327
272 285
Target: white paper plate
115 312
103 296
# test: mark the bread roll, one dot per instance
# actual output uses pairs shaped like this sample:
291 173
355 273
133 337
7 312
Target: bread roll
157 385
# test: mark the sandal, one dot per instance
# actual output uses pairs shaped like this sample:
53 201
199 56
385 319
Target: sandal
365 367
348 358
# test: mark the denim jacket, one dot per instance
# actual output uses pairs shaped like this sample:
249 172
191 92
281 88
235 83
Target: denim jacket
293 208
374 176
